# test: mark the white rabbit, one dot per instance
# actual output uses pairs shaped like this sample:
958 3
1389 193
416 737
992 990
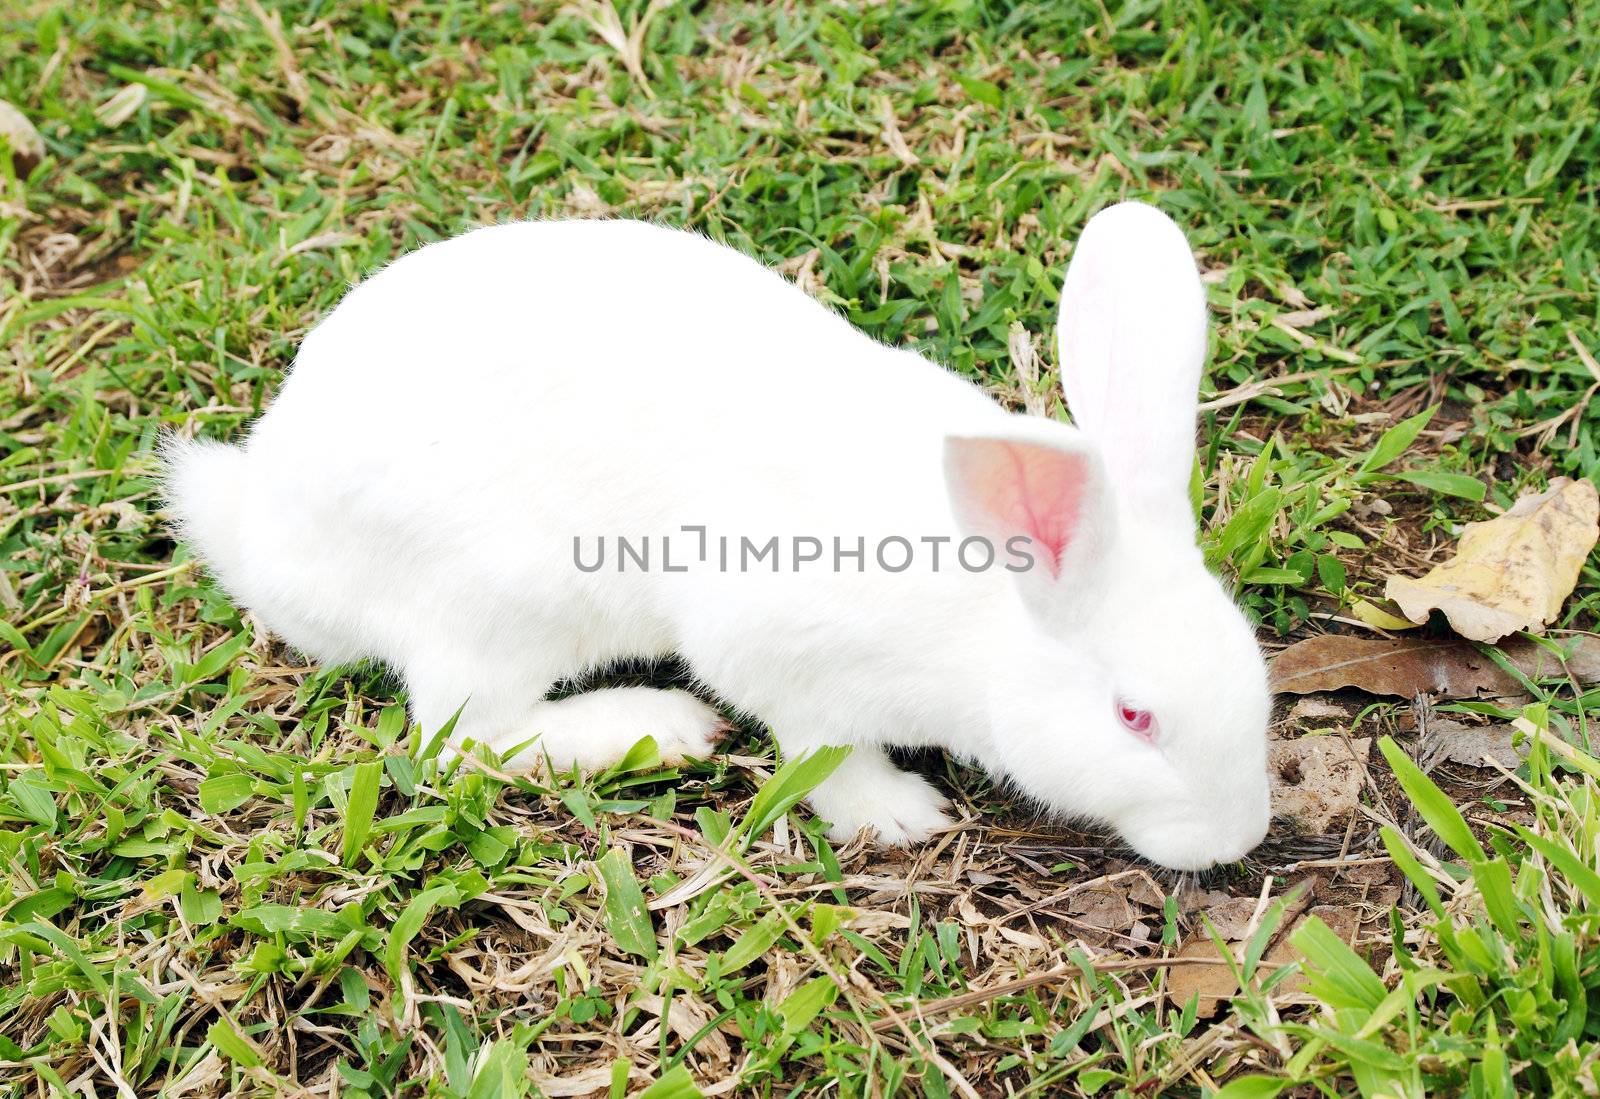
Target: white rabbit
462 437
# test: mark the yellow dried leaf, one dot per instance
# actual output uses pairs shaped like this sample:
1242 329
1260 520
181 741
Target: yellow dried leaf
23 140
1512 572
122 106
1374 615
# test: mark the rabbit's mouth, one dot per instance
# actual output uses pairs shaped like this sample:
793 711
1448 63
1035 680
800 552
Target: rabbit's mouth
1183 844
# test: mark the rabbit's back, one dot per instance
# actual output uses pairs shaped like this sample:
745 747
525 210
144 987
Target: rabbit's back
619 359
451 430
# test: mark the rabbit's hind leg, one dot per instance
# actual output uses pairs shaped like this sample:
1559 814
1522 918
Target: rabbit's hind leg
596 728
505 709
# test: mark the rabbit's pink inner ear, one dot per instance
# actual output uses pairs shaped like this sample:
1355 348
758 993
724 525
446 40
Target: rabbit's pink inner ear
1003 488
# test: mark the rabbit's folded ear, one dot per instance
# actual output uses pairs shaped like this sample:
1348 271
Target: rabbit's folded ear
1040 500
1132 333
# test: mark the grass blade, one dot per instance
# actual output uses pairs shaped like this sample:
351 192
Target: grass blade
627 918
1396 440
1587 881
1339 974
754 942
1437 809
359 813
406 927
675 1083
788 784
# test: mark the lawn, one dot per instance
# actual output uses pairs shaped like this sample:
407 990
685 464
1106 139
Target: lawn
223 871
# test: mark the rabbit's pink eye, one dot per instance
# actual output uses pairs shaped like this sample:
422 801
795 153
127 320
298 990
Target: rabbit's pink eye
1141 723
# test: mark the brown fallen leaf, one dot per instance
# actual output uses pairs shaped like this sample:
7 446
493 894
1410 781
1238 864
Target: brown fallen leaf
1406 668
1212 983
1141 890
1105 908
1215 983
27 148
1331 662
1317 709
1231 915
1513 572
1317 780
1473 745
1580 652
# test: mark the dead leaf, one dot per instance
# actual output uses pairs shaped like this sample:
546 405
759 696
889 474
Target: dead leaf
1366 873
27 147
1341 920
1512 572
1379 618
1106 908
1581 654
1444 668
122 106
868 920
1212 983
1230 915
337 238
1024 939
1317 780
1141 890
590 1081
892 136
1215 983
1315 709
1473 745
1025 363
1450 669
687 1018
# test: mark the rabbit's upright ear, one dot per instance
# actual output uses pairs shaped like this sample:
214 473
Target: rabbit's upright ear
1132 334
1039 498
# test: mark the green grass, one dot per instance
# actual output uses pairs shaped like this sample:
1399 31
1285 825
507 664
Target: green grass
222 871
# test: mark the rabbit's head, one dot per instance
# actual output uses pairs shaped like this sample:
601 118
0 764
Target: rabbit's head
1130 688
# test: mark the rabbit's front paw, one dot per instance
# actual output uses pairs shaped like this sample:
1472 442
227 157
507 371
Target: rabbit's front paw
898 807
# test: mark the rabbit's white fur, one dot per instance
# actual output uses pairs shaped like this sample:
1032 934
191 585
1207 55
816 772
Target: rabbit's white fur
413 495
